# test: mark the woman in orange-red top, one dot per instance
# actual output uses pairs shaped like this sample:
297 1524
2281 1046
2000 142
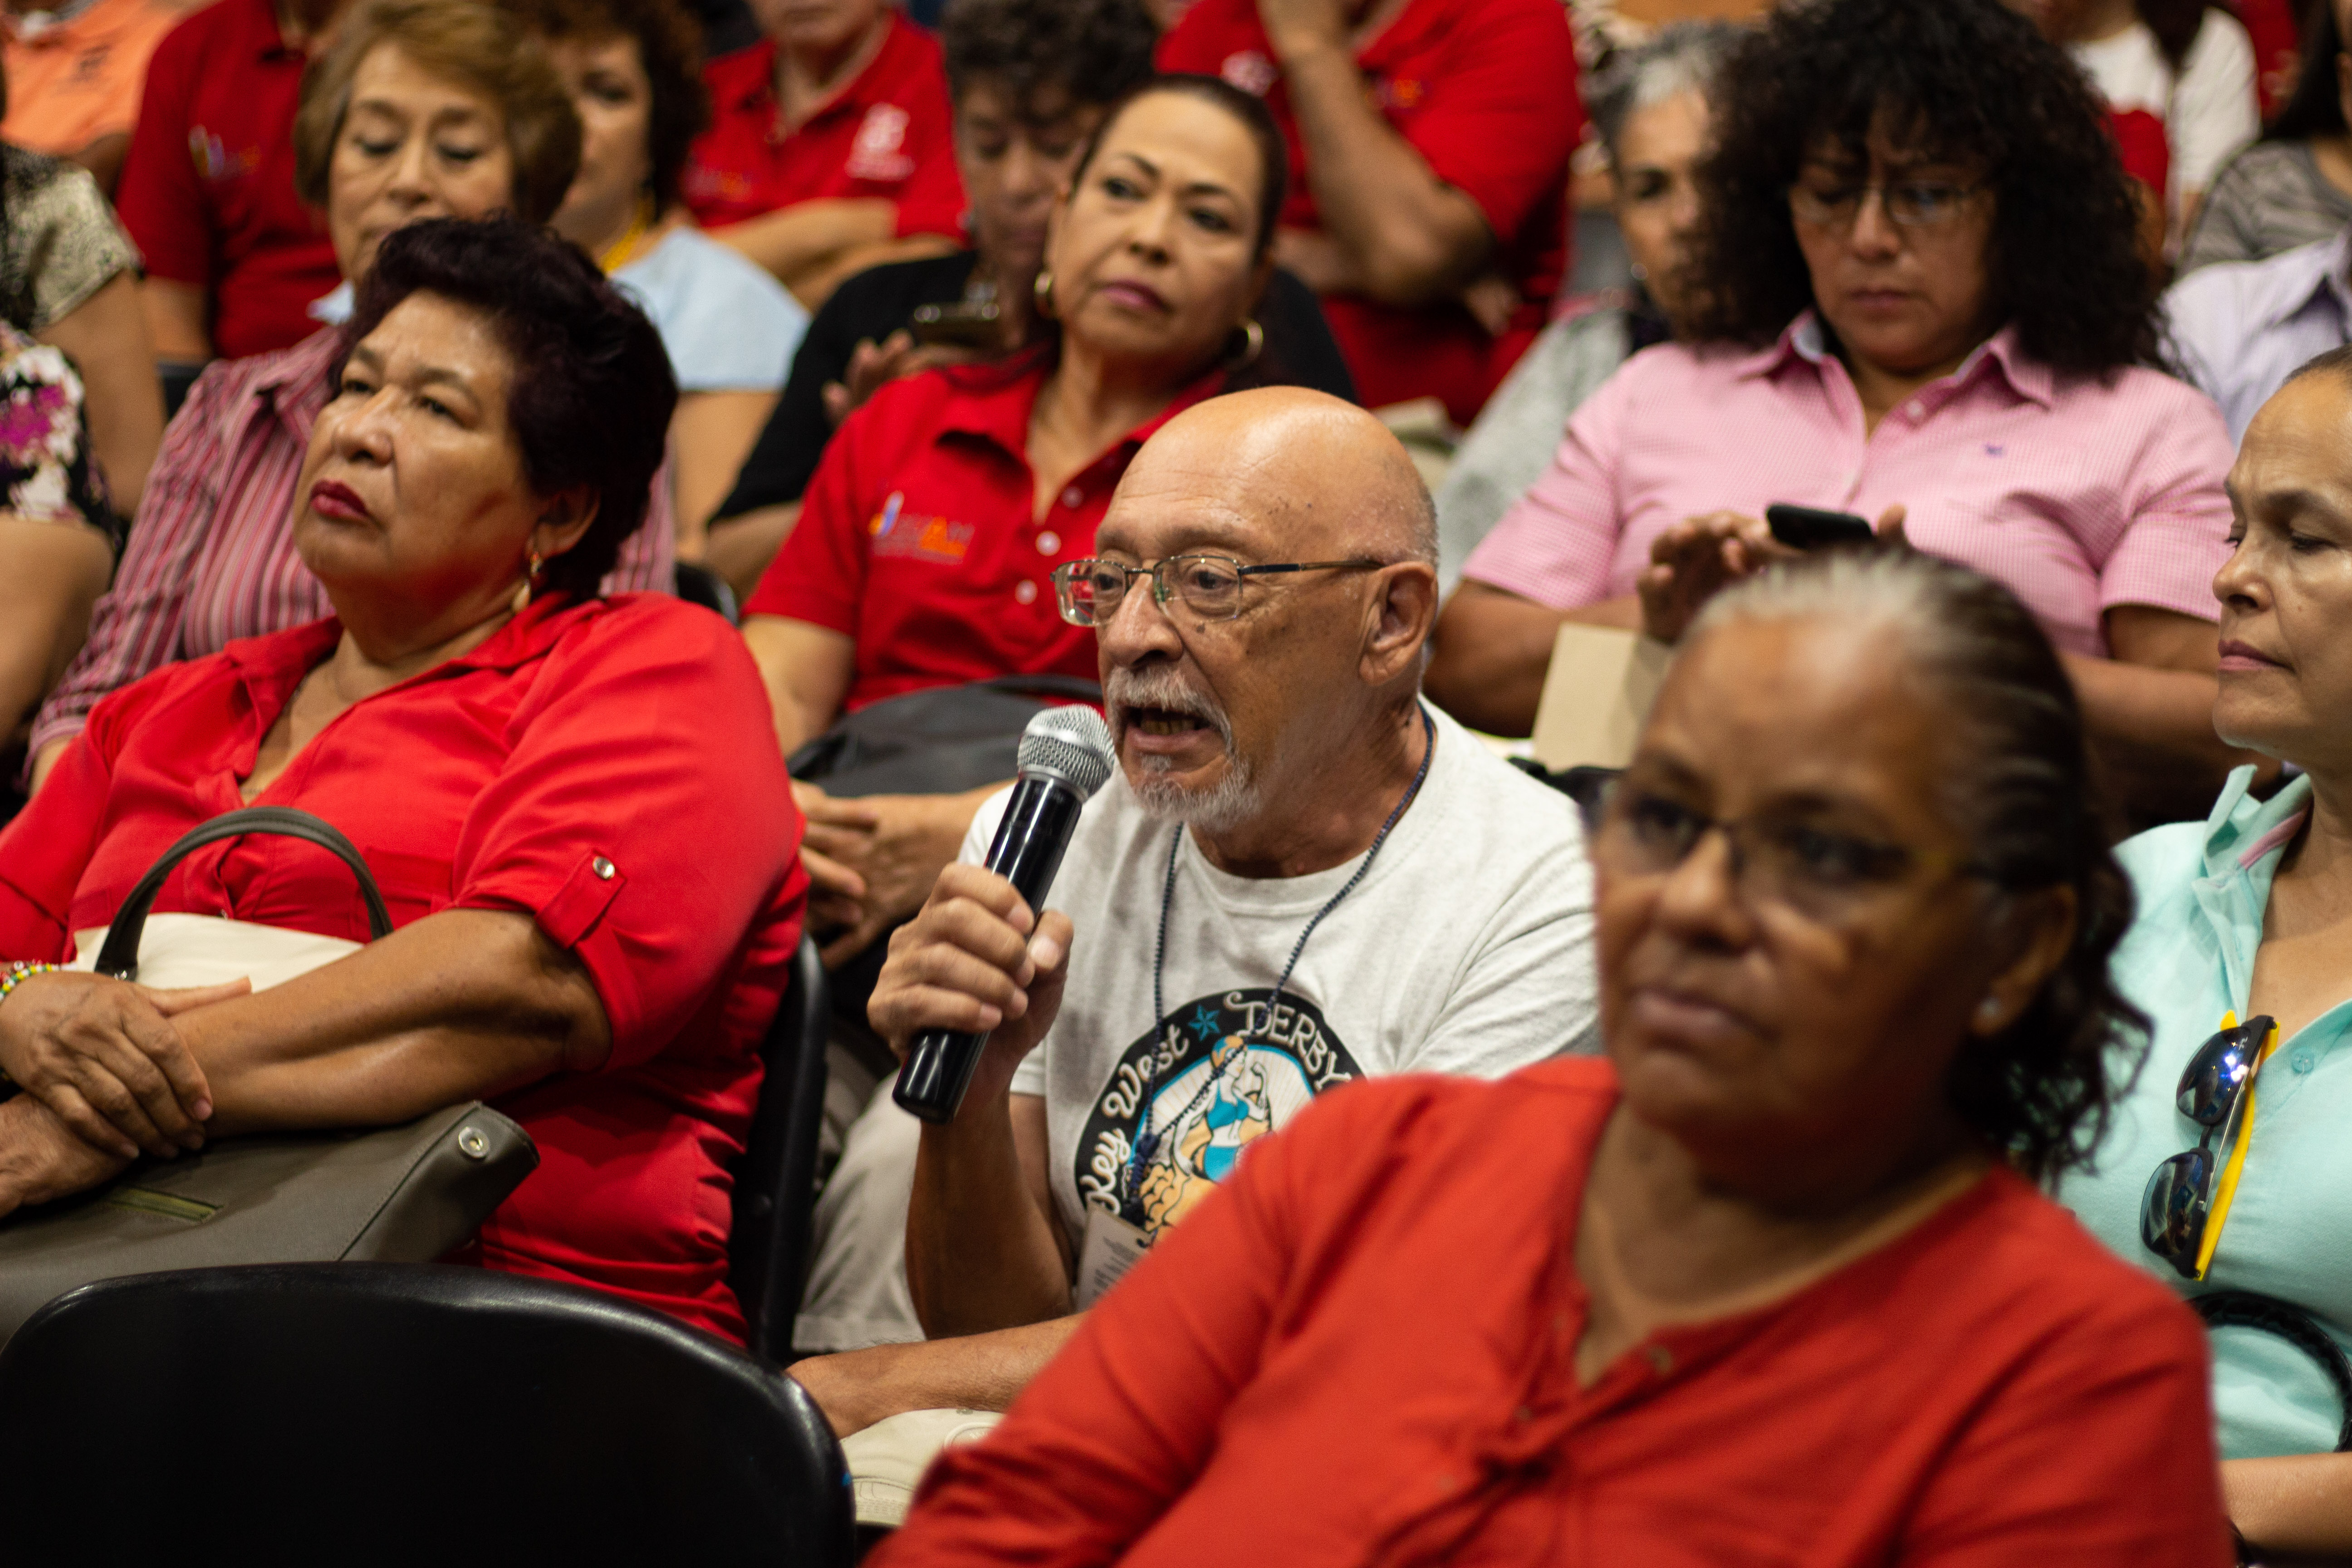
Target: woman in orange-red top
1768 1285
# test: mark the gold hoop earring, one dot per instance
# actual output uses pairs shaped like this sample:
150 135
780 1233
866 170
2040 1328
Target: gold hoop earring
1253 346
1041 291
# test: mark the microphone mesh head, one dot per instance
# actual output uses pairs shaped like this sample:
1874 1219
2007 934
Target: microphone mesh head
1072 745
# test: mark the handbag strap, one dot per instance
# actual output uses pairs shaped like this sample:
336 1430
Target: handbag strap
119 957
2247 1310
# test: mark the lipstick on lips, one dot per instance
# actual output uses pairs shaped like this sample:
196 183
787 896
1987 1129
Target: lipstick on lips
338 501
2240 656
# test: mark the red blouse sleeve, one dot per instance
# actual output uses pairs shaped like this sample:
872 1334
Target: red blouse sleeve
2117 1408
160 200
932 200
45 851
639 819
819 575
1503 119
1114 1430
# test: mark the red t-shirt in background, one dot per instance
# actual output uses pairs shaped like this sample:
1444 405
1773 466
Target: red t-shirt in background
888 134
1361 1347
916 538
208 185
2142 146
587 765
1484 91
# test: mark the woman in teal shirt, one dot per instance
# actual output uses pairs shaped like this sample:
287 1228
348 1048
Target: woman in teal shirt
2249 914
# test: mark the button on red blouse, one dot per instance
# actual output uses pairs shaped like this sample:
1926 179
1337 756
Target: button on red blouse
587 766
918 539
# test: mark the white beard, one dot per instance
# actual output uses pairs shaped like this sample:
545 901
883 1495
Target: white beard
1222 807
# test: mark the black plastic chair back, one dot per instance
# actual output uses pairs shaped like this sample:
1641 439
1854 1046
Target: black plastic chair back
363 1412
1588 786
775 1186
701 585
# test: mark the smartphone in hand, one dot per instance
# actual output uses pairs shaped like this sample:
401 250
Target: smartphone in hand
1810 528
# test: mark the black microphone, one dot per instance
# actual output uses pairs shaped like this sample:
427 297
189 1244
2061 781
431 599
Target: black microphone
1065 757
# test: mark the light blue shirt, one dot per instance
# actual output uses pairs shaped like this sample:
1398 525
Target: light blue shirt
728 326
2241 327
2189 959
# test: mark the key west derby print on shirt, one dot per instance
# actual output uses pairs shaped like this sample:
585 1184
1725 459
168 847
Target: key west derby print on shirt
1217 1076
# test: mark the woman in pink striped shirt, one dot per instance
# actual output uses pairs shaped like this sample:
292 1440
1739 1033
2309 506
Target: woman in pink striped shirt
1920 303
424 108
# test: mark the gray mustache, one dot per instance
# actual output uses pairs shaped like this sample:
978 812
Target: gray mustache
1127 689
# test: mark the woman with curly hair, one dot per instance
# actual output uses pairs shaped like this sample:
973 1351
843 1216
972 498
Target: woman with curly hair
1917 298
2226 1170
1772 1283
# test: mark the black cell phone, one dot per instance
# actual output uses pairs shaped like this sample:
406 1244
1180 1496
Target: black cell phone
1810 528
966 324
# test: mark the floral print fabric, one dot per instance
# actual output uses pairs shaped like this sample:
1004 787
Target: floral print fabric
45 474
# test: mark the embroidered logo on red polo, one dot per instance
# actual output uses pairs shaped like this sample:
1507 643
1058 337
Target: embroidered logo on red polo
214 161
878 152
1251 71
910 536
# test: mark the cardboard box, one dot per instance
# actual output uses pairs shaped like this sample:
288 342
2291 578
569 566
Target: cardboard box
1596 694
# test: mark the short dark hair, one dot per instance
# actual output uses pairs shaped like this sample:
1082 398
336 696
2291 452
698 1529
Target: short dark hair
2026 796
593 392
669 44
1967 80
1093 50
1273 153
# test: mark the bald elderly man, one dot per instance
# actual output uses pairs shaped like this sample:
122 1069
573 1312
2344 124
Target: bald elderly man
1301 874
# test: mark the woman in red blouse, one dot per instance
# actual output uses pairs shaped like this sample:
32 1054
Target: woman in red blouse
513 755
928 537
1771 1285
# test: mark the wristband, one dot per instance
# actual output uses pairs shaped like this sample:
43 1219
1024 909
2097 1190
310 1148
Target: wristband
16 974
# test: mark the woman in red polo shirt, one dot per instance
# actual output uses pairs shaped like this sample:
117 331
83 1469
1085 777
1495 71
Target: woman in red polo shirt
925 543
829 149
513 755
1771 1285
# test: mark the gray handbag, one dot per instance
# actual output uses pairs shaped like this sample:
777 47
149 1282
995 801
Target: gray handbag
394 1195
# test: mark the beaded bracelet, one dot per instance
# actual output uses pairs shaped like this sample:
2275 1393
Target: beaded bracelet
17 975
22 970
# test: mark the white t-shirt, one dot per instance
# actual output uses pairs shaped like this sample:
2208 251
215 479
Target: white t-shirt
1466 949
2210 110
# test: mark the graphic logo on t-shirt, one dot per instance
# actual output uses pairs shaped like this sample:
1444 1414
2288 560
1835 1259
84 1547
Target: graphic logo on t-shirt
877 153
1185 1100
1251 71
897 531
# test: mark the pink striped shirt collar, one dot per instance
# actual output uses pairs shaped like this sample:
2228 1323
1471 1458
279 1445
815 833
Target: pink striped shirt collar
1806 339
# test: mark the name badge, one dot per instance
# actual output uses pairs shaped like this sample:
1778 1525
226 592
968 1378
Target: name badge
1112 1246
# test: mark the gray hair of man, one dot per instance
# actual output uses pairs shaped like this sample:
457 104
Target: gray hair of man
1686 56
2022 791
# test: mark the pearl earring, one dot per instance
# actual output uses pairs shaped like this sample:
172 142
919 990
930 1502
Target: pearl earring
1989 1010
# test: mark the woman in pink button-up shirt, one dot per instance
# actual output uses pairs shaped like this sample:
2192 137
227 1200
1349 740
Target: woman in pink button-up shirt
1922 303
